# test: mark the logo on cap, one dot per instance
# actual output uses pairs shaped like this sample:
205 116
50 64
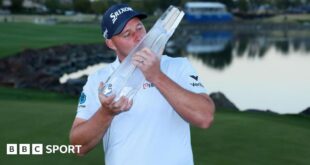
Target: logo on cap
117 13
105 33
115 19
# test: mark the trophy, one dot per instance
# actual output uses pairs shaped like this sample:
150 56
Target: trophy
127 79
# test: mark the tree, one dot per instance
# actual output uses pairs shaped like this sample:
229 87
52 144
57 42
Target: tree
164 4
150 6
243 5
16 6
66 6
83 6
99 7
52 5
229 4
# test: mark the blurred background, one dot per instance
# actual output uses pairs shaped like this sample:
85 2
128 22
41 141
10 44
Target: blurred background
252 56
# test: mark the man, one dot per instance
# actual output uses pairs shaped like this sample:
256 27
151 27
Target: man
153 128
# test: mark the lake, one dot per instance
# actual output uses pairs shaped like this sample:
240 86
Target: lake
256 70
265 70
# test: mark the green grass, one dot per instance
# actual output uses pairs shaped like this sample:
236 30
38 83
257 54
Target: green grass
288 18
253 138
16 37
31 116
39 117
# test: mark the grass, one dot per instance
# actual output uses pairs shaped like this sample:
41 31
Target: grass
253 138
59 18
289 18
30 116
16 37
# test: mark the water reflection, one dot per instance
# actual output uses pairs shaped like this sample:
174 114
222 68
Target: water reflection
263 69
257 44
216 48
212 47
208 42
218 60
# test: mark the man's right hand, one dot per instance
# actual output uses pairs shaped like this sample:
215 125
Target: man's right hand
114 107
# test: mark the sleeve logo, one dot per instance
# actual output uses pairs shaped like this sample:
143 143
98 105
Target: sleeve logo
82 98
194 77
196 83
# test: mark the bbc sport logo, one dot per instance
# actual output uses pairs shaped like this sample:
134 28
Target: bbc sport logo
40 149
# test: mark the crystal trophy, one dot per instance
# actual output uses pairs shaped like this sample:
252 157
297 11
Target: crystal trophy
127 79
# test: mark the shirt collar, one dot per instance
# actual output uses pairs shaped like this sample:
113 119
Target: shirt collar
116 63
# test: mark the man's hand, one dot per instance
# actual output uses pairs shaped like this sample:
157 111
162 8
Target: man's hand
112 107
88 133
148 63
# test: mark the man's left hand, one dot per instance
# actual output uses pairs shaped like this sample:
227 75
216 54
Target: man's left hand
148 63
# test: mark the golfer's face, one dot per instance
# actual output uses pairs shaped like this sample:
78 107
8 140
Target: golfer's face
129 37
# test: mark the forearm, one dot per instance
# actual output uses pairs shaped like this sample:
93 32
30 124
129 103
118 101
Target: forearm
197 109
89 133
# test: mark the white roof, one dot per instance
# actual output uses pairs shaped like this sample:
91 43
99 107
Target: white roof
204 4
